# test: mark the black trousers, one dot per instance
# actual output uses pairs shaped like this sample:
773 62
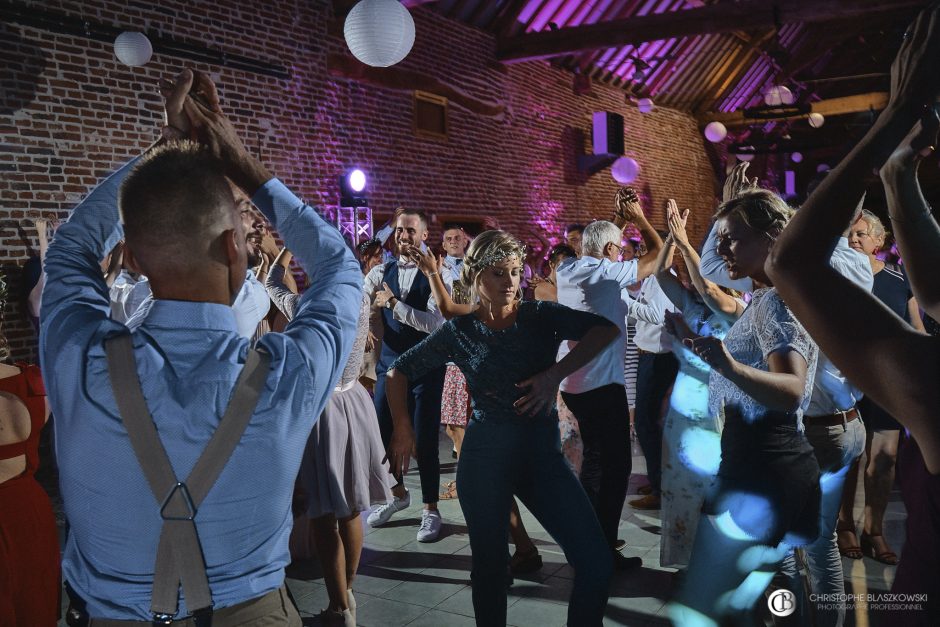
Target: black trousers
604 420
424 404
655 373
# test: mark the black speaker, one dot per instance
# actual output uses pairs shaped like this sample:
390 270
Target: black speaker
607 133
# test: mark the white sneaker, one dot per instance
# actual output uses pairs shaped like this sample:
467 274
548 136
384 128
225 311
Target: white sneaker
383 513
430 526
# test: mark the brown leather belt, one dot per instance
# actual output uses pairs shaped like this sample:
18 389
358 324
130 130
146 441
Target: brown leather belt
832 420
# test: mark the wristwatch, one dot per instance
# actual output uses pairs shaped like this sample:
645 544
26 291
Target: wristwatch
388 303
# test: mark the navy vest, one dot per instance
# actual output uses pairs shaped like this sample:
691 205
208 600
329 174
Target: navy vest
400 337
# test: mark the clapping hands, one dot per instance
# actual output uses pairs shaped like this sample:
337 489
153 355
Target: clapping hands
627 205
676 220
737 182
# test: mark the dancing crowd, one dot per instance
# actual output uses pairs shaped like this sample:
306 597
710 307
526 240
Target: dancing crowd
213 416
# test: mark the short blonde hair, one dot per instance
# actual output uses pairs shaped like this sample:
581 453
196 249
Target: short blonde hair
486 249
876 228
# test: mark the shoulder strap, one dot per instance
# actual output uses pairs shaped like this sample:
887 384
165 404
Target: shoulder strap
179 555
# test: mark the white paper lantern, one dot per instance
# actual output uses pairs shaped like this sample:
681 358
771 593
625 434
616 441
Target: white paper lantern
796 157
645 105
745 157
778 95
816 119
822 167
715 132
379 33
133 48
625 170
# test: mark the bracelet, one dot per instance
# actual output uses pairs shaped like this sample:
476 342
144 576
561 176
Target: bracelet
430 274
915 219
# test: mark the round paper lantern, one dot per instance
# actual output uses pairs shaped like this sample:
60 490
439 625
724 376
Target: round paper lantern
778 95
625 170
816 119
133 48
822 167
715 132
745 157
379 33
645 105
796 157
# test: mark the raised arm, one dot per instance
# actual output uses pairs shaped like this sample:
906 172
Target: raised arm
714 298
283 297
431 267
628 210
912 219
818 295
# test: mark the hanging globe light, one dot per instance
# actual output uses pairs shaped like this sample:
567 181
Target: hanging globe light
645 105
133 48
778 95
379 33
816 119
715 132
625 170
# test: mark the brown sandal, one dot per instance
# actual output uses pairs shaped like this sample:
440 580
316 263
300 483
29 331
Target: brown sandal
851 551
868 548
451 492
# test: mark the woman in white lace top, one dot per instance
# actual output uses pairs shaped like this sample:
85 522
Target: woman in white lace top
767 494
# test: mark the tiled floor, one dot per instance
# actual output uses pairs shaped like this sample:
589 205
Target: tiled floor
403 582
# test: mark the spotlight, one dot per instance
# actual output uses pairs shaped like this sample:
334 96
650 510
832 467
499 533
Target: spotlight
351 187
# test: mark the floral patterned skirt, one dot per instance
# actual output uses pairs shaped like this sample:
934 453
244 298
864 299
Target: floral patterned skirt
571 445
455 402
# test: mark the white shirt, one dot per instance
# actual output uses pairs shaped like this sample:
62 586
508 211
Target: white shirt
250 307
424 321
595 285
454 266
127 293
649 309
832 392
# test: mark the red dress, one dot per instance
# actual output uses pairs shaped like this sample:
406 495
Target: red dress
29 541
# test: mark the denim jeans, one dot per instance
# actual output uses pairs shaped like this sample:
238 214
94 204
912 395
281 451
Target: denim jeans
424 404
604 420
835 448
523 457
654 375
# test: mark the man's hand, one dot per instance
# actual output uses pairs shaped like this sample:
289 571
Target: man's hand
382 296
542 391
198 86
627 205
400 450
218 134
677 222
737 182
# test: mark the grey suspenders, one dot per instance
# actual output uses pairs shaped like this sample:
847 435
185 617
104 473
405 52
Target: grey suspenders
179 554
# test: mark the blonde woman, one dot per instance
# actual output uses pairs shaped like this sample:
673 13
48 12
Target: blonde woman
506 348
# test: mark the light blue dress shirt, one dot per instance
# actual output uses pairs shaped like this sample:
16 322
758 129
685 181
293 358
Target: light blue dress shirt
188 358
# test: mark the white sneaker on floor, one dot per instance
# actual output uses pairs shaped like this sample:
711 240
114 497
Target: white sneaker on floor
430 526
383 513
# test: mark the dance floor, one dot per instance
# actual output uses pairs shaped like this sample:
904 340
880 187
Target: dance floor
403 582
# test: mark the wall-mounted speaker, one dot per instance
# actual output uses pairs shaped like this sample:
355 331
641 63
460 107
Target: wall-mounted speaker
607 133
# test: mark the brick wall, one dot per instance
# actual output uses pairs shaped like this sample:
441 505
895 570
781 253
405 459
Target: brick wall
71 113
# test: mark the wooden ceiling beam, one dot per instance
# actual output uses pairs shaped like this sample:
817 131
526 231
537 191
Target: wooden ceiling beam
716 18
874 101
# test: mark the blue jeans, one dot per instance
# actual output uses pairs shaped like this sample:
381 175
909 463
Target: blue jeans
835 449
523 457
